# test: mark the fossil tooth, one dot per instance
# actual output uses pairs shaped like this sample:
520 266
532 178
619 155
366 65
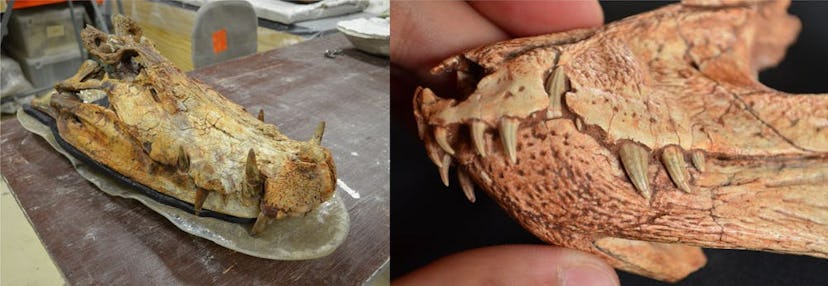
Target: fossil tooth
251 169
579 124
698 160
674 162
434 155
556 85
441 136
317 135
508 135
444 170
183 159
635 160
261 115
261 223
200 197
466 184
485 177
477 130
428 96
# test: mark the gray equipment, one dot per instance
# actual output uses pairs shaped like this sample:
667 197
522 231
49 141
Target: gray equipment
223 30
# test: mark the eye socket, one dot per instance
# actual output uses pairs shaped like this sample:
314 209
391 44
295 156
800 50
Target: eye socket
128 64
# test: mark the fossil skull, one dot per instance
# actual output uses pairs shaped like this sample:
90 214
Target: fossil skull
183 139
644 139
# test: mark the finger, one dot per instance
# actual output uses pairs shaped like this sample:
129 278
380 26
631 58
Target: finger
425 33
521 19
514 265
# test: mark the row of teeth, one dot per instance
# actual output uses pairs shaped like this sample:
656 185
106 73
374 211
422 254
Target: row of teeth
634 157
253 179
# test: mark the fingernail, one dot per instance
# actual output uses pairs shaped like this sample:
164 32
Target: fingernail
586 275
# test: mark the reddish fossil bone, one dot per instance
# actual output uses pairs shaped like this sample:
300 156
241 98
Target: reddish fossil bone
644 139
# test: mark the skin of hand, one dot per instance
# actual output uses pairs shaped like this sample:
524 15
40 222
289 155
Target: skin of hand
514 265
425 33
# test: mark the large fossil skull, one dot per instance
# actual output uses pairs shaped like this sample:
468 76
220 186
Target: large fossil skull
644 139
183 139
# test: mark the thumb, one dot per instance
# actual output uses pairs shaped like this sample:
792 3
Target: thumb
514 265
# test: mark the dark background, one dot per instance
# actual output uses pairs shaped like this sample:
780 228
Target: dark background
429 221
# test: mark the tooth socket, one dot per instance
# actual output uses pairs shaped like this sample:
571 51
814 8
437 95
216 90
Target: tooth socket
478 129
466 184
673 159
444 169
697 157
441 136
557 84
635 160
508 136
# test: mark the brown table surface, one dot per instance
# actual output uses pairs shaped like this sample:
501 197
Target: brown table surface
98 239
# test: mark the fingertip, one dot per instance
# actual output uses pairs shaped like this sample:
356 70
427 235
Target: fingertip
575 267
515 265
587 274
521 19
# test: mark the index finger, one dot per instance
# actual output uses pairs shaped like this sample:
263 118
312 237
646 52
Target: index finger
425 33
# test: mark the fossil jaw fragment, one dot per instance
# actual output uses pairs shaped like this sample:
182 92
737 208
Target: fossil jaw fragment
181 138
644 139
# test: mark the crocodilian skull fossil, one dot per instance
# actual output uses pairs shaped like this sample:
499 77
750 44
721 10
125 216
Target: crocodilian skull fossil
181 138
644 139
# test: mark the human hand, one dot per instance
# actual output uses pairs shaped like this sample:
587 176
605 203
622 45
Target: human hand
427 32
514 265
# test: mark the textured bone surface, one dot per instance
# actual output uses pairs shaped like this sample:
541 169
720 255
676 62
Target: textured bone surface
663 140
180 137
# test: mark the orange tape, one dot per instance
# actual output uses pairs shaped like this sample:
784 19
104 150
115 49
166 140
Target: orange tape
219 41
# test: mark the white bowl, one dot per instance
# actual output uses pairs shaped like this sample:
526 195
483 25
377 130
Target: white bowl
371 35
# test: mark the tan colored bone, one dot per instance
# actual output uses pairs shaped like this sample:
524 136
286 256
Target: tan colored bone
180 137
674 81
